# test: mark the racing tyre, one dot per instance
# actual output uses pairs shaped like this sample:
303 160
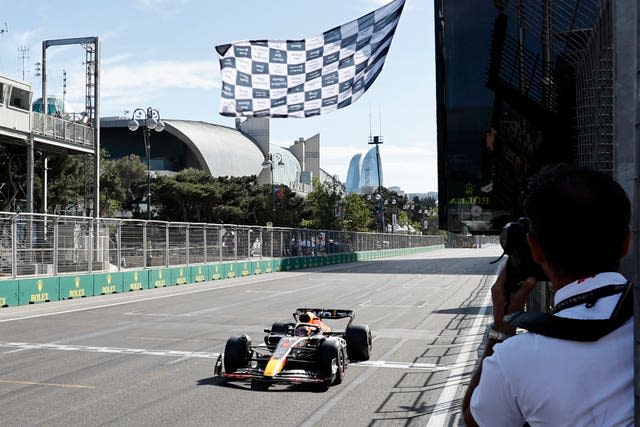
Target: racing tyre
280 328
237 353
331 362
358 339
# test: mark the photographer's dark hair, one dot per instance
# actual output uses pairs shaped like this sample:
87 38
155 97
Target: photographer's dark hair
580 217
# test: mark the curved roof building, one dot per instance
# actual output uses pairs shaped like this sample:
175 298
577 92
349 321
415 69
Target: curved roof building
217 150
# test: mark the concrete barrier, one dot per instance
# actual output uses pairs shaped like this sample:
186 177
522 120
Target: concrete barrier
38 290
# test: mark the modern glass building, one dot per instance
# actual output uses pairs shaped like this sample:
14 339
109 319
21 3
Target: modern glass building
370 177
362 176
353 175
509 77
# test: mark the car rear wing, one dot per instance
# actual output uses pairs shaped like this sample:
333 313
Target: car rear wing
326 313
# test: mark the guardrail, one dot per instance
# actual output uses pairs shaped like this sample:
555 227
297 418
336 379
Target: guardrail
63 130
40 245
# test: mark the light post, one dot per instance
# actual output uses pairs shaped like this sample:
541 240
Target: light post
377 140
151 118
269 163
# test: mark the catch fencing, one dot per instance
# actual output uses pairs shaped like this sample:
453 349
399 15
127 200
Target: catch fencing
49 245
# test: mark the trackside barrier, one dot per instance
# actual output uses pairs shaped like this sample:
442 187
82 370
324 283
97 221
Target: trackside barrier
47 258
199 273
72 287
46 289
135 280
108 283
8 293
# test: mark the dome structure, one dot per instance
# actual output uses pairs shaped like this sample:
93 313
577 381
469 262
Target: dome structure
55 106
217 150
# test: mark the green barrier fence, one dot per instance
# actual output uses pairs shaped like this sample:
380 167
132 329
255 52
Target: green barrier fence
79 286
107 283
246 268
217 271
199 273
135 280
8 293
33 291
37 290
232 270
180 276
159 278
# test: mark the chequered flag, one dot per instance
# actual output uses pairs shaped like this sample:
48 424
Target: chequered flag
303 78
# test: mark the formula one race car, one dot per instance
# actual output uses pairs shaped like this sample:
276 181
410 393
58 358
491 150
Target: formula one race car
304 351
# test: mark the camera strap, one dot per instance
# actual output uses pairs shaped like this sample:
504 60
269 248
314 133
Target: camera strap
584 330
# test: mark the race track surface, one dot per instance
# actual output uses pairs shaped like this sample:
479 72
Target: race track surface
146 358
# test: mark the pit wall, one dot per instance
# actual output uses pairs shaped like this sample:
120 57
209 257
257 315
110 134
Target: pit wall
34 290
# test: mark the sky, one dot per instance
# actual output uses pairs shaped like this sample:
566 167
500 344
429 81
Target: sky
160 54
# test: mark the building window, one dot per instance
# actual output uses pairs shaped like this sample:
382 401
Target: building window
20 98
1 93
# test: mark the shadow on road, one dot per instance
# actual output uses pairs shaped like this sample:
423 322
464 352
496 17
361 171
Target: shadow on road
464 265
274 388
466 310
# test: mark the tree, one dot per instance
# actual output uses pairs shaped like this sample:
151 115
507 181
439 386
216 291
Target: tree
12 177
112 192
132 173
356 214
321 202
187 196
68 179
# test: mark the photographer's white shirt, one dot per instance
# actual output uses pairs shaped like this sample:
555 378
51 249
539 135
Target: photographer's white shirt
551 382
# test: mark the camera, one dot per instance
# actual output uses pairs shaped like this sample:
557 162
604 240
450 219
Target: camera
520 263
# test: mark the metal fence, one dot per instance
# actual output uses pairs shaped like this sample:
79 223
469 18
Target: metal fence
39 244
63 130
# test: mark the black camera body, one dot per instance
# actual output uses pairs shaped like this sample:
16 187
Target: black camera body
520 263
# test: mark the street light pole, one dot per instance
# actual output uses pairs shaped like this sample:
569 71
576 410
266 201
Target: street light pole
151 118
269 163
377 140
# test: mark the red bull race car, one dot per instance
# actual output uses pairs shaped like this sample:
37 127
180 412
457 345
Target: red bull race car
306 350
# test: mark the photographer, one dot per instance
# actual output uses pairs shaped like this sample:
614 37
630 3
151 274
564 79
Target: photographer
577 369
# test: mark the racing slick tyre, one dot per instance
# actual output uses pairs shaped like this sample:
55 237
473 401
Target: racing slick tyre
358 339
280 328
331 362
237 353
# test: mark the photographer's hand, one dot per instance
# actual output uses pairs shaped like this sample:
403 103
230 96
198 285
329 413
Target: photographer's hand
516 300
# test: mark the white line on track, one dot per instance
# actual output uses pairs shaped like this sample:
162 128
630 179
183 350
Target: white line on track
450 389
183 355
366 304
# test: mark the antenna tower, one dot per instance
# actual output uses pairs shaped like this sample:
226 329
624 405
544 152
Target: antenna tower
24 55
90 84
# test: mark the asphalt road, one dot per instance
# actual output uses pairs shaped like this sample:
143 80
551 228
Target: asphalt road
146 358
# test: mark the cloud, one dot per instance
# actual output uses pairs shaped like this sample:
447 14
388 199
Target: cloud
124 83
158 75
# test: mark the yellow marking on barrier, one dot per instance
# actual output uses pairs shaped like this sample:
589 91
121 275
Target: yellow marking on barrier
47 384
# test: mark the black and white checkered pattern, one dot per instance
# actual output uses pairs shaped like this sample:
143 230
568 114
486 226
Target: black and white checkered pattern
303 78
